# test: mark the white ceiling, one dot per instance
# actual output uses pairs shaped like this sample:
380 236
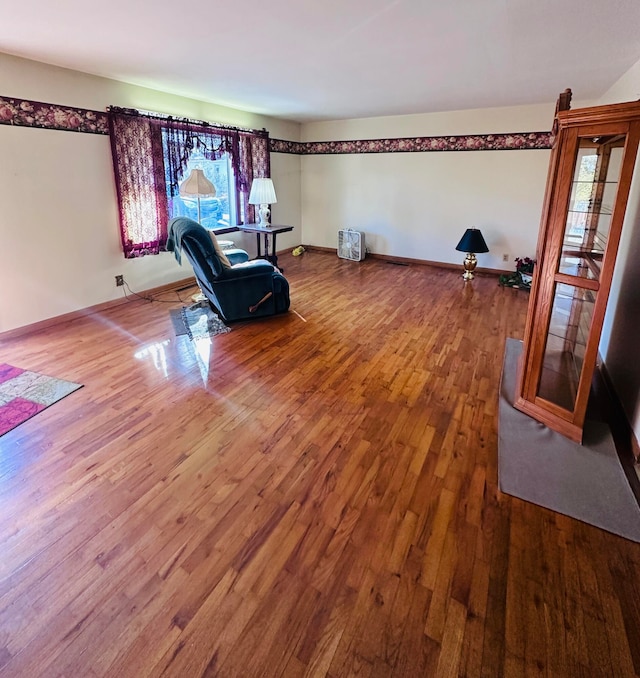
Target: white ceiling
313 60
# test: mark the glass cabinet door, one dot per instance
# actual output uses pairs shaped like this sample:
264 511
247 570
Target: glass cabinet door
594 185
593 193
566 343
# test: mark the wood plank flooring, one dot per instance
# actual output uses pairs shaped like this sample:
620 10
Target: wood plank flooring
309 495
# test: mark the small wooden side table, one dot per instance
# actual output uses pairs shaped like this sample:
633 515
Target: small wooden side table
266 231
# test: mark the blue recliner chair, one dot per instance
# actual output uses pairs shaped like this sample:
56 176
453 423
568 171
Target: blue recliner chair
248 289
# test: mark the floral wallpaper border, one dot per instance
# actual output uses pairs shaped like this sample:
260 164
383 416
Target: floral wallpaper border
465 142
26 113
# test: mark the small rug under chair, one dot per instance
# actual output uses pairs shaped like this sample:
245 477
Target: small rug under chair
586 482
197 321
23 394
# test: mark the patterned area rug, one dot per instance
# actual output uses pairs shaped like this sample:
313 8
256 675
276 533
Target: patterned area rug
197 321
23 394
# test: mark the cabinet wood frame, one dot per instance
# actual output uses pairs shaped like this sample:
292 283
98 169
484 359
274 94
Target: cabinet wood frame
570 127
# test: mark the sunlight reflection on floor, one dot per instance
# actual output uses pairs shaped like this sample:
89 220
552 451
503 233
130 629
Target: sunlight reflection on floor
158 355
202 348
197 350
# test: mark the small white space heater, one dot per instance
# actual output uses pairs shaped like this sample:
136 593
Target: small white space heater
351 244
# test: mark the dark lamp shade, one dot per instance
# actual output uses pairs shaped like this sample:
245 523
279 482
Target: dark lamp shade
472 241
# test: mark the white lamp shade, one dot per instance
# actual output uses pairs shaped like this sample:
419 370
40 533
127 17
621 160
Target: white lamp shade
197 184
262 192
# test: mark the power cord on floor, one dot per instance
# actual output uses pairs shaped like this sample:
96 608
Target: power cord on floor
153 298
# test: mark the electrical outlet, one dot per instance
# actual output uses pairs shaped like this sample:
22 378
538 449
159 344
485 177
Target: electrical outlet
119 280
505 257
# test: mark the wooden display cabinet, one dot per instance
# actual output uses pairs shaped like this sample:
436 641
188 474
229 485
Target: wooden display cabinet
590 174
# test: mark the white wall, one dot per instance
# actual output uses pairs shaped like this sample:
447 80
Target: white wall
58 223
619 343
418 205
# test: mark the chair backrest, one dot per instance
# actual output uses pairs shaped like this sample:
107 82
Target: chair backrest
194 240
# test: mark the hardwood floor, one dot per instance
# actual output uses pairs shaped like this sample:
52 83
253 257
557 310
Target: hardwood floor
309 495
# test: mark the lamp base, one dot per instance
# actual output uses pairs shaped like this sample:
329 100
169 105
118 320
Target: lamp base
264 213
470 263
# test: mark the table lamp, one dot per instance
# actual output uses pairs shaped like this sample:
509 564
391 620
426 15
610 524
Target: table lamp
264 194
471 242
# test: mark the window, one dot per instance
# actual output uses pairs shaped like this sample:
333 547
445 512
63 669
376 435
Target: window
153 153
215 212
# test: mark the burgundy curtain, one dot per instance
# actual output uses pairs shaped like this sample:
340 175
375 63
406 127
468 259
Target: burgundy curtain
139 173
254 162
145 168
